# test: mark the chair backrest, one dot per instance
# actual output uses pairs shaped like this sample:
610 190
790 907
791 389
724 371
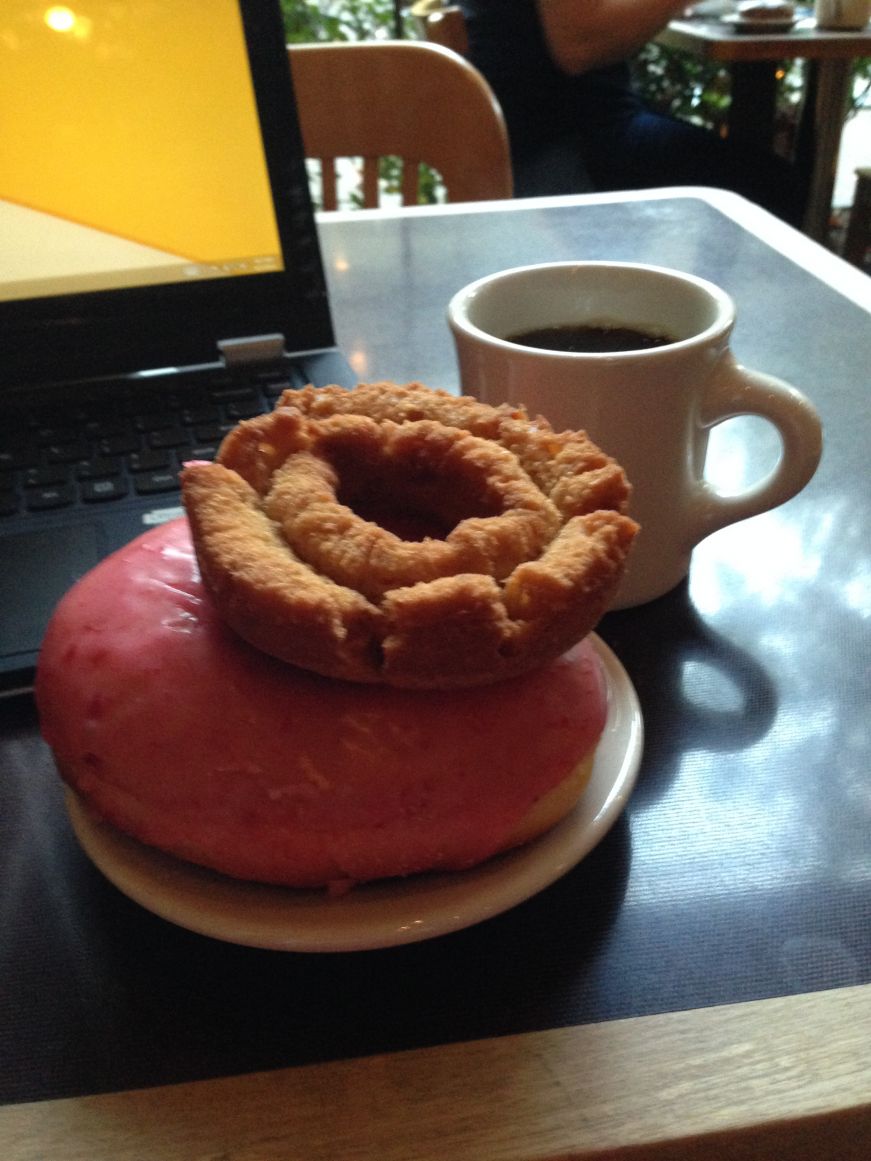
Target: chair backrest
443 24
413 100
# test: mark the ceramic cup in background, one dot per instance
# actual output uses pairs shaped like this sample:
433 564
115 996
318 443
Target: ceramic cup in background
651 409
845 15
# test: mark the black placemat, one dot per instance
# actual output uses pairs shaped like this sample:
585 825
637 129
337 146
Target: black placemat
740 869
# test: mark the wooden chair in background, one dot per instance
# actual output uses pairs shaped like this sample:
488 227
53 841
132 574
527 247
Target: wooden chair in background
414 100
442 23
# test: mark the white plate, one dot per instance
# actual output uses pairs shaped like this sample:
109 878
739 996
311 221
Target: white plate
378 914
742 24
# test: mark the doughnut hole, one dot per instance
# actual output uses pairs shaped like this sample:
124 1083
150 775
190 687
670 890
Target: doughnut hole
379 506
411 495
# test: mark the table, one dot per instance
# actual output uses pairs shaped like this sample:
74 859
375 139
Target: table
752 60
699 986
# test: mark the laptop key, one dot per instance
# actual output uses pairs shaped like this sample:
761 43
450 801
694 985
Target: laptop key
195 416
273 391
170 437
99 468
203 451
244 410
67 453
55 435
110 489
120 445
150 483
106 427
18 455
155 420
208 432
43 499
149 460
232 393
44 477
185 397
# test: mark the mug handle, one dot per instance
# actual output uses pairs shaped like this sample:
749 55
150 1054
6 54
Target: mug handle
736 390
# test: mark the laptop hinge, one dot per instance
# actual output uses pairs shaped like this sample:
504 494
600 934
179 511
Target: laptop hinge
251 350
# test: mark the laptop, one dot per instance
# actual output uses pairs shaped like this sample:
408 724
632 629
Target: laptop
160 274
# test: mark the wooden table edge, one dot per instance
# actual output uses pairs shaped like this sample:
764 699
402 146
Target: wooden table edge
785 1077
805 42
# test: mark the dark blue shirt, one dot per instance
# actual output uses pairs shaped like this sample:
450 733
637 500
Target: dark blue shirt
539 100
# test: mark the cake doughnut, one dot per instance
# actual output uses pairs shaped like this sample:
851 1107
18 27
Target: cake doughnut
401 535
171 727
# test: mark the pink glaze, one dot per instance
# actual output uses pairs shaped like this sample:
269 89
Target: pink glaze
186 737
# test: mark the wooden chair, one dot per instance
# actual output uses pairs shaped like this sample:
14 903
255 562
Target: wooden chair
442 24
413 100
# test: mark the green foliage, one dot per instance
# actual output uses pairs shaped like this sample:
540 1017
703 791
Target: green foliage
699 91
860 98
310 20
682 85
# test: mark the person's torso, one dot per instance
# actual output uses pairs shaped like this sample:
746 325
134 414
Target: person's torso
507 45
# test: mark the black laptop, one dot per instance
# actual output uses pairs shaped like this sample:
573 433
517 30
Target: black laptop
160 275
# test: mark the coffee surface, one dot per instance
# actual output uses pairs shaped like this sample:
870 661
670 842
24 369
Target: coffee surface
590 339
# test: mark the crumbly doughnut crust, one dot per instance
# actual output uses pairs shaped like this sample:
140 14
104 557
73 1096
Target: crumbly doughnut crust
403 535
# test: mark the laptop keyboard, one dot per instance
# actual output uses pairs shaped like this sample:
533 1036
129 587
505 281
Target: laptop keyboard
102 446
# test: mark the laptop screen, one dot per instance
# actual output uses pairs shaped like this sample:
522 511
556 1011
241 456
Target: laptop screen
131 153
153 193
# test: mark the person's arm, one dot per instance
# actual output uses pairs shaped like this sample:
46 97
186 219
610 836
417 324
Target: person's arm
583 34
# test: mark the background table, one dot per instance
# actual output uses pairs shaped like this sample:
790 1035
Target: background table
752 59
699 986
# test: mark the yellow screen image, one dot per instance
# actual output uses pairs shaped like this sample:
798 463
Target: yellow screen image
136 118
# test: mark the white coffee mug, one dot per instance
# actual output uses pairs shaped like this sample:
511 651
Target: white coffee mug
845 15
651 409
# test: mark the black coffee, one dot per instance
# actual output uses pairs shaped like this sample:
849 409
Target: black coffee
590 339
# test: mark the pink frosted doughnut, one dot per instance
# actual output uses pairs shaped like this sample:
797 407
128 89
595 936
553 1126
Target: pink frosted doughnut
179 733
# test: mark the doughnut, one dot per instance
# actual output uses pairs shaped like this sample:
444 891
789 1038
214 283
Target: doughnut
400 535
173 729
761 10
